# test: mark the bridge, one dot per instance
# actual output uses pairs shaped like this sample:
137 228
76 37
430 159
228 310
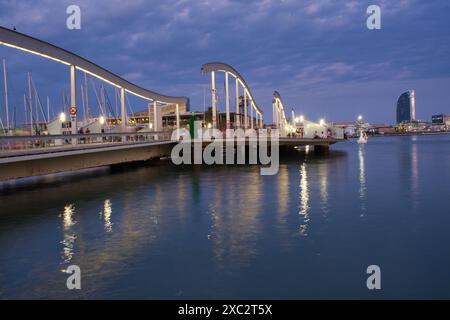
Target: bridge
33 155
20 41
279 114
213 68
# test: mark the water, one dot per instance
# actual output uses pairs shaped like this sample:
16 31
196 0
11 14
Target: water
161 231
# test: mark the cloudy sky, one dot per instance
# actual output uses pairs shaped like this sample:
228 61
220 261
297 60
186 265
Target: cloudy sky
318 54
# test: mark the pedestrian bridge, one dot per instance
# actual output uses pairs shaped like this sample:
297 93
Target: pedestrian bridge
27 156
34 155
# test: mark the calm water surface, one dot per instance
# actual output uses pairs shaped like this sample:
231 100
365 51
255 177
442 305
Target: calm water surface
162 231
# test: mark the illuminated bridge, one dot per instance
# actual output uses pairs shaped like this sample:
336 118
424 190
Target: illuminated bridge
33 155
44 49
240 84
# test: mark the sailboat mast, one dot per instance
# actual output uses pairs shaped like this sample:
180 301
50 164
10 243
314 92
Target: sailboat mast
30 103
1 124
102 95
86 99
25 108
48 108
6 94
82 102
116 104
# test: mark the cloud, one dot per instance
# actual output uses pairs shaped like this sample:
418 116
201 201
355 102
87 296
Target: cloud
300 47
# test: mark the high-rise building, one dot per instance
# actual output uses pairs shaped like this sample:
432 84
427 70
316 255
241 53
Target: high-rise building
441 120
406 109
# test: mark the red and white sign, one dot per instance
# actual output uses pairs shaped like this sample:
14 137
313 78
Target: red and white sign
73 111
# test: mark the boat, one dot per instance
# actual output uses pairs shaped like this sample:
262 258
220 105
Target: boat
362 138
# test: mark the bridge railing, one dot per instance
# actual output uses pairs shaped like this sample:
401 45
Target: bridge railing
55 142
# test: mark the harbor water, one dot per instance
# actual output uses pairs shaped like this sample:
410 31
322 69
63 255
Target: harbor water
160 231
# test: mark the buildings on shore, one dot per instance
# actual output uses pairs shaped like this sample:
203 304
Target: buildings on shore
406 116
406 121
406 107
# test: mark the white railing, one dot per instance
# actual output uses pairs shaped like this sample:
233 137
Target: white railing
53 142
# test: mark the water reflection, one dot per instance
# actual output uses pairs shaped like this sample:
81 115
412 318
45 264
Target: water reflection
68 237
414 173
362 179
235 219
107 211
283 191
67 215
323 183
150 248
409 169
304 199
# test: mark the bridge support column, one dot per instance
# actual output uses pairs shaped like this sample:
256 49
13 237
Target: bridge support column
149 114
227 102
261 125
273 112
178 116
245 109
277 114
73 101
237 121
251 114
280 116
155 118
213 99
123 112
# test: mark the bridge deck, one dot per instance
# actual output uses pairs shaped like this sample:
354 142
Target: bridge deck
53 152
56 151
47 159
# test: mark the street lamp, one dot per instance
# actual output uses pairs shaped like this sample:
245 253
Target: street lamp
102 120
360 117
322 122
302 119
62 117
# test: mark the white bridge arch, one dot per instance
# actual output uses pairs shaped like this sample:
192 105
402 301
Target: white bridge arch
279 113
213 67
20 41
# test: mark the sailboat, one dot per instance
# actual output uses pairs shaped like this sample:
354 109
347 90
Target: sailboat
362 138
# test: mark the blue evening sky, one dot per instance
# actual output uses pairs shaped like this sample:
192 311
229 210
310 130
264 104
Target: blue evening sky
318 54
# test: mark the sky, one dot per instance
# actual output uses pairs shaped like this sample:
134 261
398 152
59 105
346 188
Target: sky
318 54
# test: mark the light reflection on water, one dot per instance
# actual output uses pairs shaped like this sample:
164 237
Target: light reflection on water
227 232
235 220
69 236
107 212
304 199
362 179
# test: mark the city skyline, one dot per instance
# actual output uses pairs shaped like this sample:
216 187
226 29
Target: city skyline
318 54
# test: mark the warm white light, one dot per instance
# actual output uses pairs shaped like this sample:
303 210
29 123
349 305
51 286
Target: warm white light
322 122
360 118
302 119
150 125
62 117
297 120
209 126
34 52
77 67
102 120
